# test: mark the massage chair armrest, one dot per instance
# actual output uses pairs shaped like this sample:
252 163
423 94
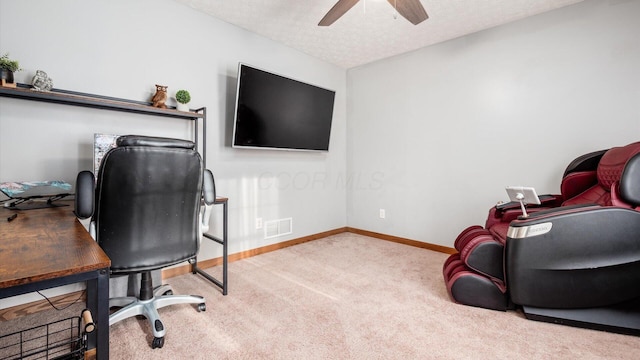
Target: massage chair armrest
545 201
559 211
507 212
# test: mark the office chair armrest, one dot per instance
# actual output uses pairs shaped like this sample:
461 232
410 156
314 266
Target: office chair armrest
208 199
85 183
208 188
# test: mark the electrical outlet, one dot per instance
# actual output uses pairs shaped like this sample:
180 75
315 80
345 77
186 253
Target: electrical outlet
383 214
258 223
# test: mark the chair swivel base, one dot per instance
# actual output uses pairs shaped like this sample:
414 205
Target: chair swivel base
132 306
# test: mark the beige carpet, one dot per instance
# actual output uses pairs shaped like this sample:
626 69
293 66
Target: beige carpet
350 297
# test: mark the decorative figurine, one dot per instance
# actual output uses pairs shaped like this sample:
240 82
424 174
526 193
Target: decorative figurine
41 81
160 97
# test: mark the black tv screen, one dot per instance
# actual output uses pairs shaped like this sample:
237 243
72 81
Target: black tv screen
276 112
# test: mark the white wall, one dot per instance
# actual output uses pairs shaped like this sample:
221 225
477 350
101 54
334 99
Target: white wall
433 136
438 133
122 48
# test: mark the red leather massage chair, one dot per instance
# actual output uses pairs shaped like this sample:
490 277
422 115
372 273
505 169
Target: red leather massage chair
575 259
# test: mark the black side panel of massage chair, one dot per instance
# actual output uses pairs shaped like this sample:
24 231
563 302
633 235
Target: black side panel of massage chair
580 265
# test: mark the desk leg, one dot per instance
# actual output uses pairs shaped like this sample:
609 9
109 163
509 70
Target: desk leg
98 303
225 252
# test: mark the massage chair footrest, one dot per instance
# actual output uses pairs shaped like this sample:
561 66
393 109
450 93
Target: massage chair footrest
481 252
470 288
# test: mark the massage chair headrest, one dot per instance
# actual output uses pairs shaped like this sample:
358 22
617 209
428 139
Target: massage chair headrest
613 164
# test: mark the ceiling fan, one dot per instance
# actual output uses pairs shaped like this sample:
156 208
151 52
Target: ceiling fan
411 10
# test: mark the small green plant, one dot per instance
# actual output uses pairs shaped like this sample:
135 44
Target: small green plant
8 64
183 96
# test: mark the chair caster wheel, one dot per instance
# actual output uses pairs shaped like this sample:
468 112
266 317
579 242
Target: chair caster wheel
158 342
202 307
168 292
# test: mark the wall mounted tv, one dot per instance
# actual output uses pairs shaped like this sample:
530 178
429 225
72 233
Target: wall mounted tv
276 112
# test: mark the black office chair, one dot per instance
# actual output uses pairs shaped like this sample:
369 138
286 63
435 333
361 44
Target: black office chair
148 211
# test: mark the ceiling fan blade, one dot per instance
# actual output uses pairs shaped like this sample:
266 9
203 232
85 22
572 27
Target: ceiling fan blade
339 9
411 10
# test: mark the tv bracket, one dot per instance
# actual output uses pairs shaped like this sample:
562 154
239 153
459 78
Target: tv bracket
523 195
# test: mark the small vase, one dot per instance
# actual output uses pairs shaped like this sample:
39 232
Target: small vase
182 107
6 78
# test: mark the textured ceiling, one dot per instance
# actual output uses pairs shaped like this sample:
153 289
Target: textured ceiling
371 30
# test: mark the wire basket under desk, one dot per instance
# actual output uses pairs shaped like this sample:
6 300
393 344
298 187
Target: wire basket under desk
58 340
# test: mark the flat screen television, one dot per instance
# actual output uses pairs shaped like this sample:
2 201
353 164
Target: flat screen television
276 112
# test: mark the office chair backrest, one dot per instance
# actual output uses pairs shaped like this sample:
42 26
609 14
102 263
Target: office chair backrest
147 202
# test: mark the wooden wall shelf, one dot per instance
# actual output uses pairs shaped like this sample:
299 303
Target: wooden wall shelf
66 97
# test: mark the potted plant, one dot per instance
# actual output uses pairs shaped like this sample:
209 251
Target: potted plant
183 97
7 68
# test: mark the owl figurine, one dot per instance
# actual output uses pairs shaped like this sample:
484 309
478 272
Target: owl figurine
160 97
41 81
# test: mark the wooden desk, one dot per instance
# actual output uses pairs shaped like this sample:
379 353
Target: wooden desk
46 248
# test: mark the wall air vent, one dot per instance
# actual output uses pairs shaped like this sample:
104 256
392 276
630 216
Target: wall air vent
275 228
